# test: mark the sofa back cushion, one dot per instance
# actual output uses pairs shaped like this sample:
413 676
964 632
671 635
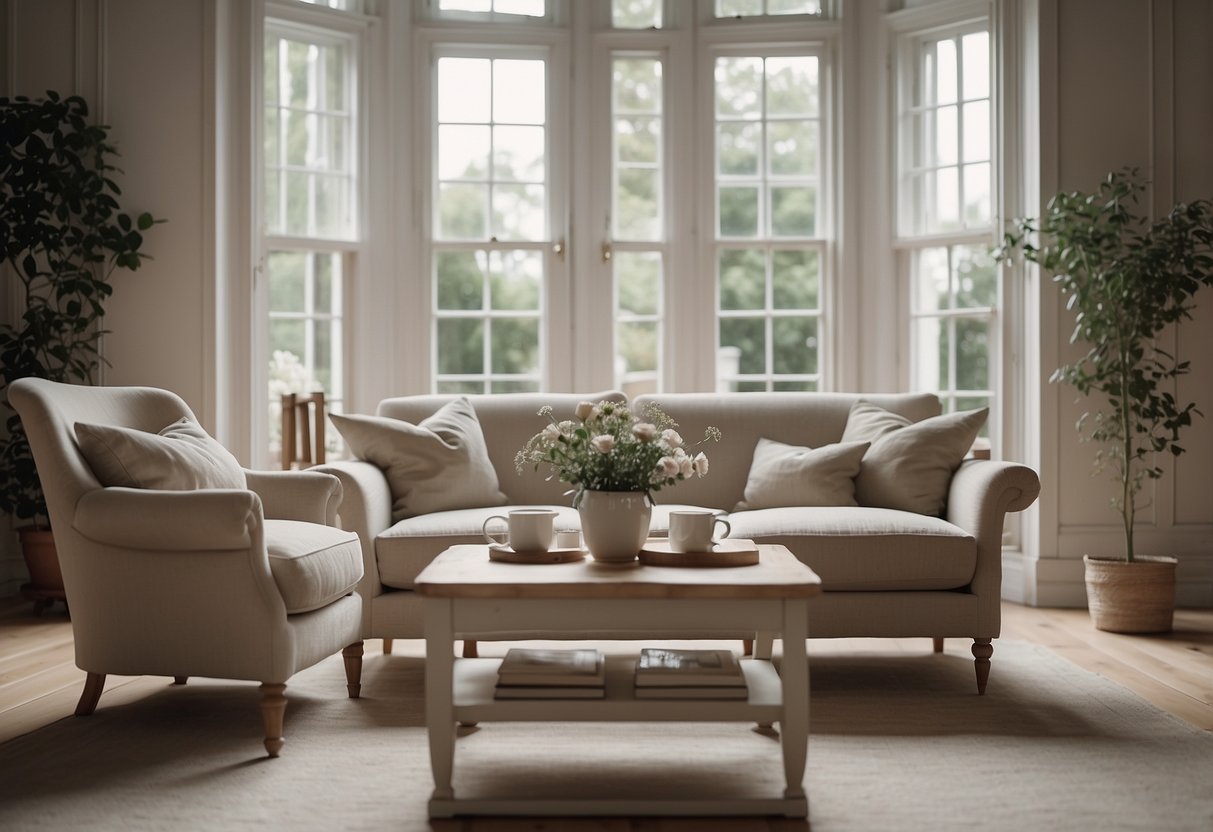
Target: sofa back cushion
809 419
507 421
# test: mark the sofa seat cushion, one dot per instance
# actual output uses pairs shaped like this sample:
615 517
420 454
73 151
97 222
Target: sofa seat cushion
313 565
407 547
867 549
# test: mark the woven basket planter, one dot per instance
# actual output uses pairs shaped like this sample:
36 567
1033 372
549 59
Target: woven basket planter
1137 597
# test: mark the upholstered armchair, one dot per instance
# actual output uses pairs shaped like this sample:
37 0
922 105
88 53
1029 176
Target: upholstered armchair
165 573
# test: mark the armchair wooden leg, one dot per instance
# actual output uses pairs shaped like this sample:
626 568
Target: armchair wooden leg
387 647
93 685
353 668
747 646
469 649
982 650
937 645
273 709
180 680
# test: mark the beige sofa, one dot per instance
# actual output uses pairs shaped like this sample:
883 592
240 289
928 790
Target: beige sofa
886 573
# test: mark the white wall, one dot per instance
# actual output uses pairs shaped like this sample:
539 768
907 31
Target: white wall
1125 83
1122 82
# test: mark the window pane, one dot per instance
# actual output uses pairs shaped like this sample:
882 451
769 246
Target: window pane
530 8
795 279
460 280
946 202
516 278
976 277
638 282
638 350
792 148
459 388
742 279
944 137
637 84
288 281
931 287
795 386
738 8
791 85
463 151
975 51
737 148
738 212
514 386
289 336
636 14
972 354
519 91
518 212
793 212
515 345
637 212
460 346
518 154
462 212
977 132
464 90
794 345
930 350
637 139
977 194
739 87
748 335
944 87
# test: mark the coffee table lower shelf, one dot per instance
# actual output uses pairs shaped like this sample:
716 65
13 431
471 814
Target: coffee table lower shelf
474 681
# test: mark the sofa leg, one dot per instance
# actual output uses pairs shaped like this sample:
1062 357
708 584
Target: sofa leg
387 647
747 647
469 649
273 709
937 644
94 683
180 680
353 668
982 650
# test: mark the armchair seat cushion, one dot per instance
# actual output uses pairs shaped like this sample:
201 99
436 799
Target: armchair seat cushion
867 549
313 565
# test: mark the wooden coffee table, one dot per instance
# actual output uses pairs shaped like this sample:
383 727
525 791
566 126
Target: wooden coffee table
465 595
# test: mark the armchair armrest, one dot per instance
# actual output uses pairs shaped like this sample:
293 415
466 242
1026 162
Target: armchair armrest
366 509
309 495
139 518
981 494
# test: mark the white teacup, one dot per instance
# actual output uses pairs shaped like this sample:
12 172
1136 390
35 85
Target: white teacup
529 529
692 531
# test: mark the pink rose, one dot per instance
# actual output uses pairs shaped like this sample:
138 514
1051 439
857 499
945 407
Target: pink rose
671 438
668 466
603 444
584 409
644 431
701 464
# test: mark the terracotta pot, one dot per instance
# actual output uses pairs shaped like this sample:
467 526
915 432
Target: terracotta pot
615 524
41 559
1137 597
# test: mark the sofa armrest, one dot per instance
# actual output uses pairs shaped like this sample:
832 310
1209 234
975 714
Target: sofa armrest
366 509
177 521
981 494
310 496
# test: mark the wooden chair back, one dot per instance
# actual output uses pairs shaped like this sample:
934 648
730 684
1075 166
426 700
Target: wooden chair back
302 430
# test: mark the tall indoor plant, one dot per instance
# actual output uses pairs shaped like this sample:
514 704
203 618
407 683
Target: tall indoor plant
1126 279
63 236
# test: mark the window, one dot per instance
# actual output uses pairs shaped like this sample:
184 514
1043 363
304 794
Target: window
945 214
490 223
768 251
308 210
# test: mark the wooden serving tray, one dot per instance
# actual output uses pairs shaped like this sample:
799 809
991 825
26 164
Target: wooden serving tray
505 554
728 552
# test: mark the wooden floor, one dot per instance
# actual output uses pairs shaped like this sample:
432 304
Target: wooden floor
39 683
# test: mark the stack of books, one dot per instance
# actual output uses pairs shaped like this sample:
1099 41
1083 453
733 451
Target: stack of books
551 674
689 674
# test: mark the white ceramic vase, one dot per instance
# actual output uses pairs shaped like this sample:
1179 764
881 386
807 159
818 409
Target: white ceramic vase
615 524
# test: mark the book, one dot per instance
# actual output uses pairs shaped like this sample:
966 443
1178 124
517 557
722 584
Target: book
548 692
694 692
563 668
658 667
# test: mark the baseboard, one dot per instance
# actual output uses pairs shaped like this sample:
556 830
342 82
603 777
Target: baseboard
1060 582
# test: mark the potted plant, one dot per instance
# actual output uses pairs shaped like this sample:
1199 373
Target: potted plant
1126 279
614 459
64 236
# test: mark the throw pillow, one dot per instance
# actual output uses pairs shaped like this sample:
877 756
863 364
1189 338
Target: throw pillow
792 475
438 465
910 465
182 457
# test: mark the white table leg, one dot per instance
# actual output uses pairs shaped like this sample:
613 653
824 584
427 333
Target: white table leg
794 673
439 692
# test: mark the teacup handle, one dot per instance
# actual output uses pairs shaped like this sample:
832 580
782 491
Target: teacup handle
484 529
728 529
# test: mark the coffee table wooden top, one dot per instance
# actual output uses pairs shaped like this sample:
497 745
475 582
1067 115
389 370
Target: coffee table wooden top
467 572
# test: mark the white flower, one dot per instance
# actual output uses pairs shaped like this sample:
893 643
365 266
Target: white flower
701 464
584 409
644 431
552 432
668 466
671 438
603 443
686 466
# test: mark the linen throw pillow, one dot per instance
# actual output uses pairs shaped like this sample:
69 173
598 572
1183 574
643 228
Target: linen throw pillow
438 465
793 475
181 457
910 464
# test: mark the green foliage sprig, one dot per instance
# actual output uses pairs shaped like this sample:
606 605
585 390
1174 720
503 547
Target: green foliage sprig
1126 279
608 448
64 235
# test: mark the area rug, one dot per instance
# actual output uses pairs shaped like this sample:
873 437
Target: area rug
899 741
